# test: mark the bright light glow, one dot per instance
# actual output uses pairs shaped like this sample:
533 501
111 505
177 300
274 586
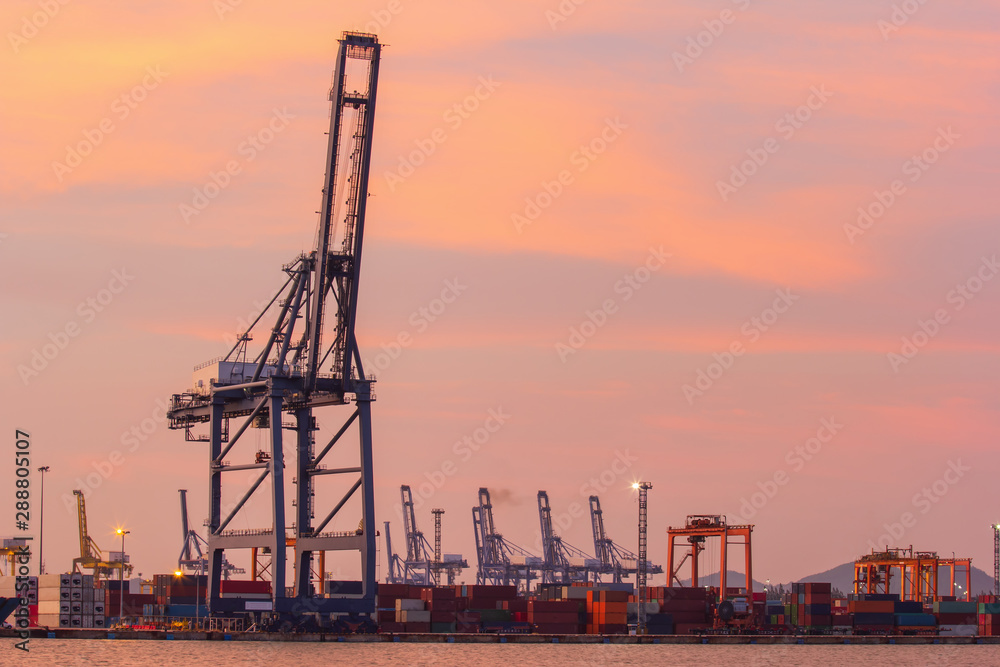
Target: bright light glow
635 485
178 573
119 531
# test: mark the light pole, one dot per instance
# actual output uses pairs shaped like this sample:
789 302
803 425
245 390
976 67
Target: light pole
197 602
640 567
121 578
41 521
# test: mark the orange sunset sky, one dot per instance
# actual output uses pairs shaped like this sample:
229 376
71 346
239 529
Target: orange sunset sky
614 198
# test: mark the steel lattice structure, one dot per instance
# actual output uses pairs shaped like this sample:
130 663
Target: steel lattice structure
614 559
301 368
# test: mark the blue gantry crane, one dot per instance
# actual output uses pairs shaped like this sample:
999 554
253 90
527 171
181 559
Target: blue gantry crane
500 562
423 564
562 562
613 558
310 360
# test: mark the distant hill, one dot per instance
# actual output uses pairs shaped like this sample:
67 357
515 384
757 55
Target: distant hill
842 577
733 580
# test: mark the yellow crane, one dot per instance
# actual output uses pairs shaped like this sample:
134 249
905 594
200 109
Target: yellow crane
91 556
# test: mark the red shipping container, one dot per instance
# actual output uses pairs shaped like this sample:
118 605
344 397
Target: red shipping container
437 593
442 617
386 615
484 603
553 617
391 626
614 596
393 590
442 605
563 606
557 628
497 592
467 627
685 594
515 605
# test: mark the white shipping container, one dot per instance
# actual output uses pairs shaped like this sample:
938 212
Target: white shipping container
48 580
958 630
404 604
49 607
49 594
575 592
47 621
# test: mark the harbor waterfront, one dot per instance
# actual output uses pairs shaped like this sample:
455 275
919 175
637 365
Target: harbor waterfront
68 653
461 638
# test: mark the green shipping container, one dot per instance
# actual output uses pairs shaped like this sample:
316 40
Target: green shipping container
989 607
443 627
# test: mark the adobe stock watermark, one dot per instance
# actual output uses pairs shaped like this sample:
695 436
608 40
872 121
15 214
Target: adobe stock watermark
32 25
796 459
752 329
464 450
786 126
923 502
594 320
121 108
454 117
704 39
584 156
900 16
243 323
420 320
381 18
86 311
915 168
562 12
131 440
620 466
958 298
249 149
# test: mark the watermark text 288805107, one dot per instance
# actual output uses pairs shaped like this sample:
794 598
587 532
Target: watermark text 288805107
22 516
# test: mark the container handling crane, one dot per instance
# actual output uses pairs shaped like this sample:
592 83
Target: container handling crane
301 368
423 564
500 562
613 558
91 556
192 545
563 562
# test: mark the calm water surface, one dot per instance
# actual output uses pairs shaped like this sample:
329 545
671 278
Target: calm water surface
68 653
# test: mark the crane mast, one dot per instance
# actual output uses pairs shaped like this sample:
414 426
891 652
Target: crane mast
91 556
298 370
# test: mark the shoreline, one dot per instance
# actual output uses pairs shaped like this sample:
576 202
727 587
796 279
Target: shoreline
469 638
